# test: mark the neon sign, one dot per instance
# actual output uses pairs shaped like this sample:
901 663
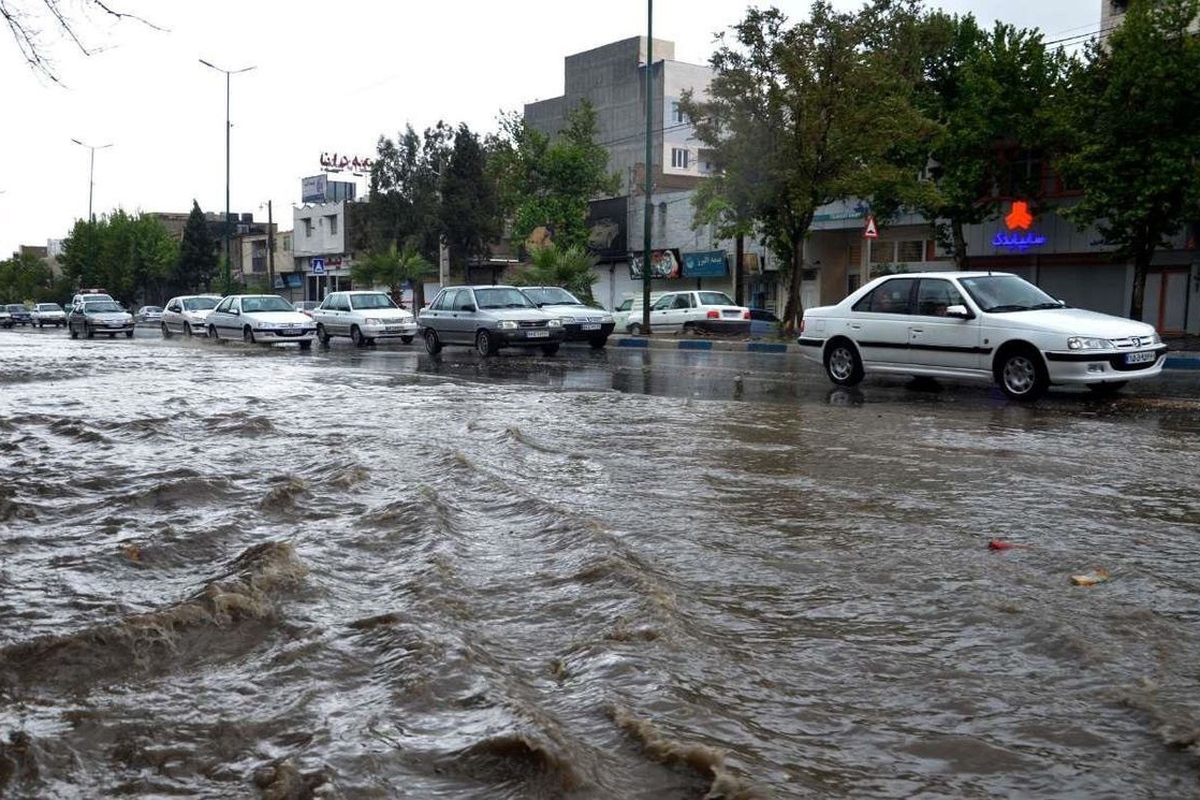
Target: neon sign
1018 219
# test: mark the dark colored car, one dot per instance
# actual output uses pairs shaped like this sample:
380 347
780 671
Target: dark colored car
18 314
581 322
99 316
489 318
763 323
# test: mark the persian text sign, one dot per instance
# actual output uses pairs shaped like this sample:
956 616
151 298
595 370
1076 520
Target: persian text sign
709 264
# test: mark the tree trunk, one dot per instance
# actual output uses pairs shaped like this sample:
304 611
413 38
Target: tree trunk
961 260
794 310
1141 266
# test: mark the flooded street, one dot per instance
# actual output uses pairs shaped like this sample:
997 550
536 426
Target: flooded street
236 572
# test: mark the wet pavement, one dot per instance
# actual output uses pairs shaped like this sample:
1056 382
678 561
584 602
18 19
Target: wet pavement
229 571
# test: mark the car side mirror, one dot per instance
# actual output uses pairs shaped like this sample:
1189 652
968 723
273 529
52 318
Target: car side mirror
959 312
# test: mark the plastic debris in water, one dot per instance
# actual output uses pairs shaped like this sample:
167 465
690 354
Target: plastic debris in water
997 544
1091 579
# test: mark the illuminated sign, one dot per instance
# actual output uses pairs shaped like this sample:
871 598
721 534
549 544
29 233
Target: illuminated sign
1018 237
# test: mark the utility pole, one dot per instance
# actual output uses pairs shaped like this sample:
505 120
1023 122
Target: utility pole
228 126
647 216
91 173
270 249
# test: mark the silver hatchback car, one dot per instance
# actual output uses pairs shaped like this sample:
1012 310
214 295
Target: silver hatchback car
488 318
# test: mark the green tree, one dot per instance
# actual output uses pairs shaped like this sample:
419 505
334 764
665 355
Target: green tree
802 115
570 268
26 277
549 183
198 259
470 208
404 204
993 99
393 268
1134 117
126 255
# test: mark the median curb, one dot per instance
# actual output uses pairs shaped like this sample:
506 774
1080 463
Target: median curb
1174 360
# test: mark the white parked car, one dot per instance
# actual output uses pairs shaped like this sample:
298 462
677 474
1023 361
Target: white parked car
979 325
260 318
49 314
688 311
364 316
188 314
148 315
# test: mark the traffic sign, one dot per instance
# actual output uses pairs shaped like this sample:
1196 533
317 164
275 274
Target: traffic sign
871 232
318 266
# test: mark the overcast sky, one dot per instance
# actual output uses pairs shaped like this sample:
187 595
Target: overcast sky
327 77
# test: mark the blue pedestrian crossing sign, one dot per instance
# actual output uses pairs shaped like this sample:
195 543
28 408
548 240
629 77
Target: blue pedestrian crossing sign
318 266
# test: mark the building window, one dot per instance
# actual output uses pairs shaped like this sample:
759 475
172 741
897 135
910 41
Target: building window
679 157
307 227
910 251
332 220
677 112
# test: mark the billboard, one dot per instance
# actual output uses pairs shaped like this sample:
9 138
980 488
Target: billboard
663 264
312 190
709 264
607 227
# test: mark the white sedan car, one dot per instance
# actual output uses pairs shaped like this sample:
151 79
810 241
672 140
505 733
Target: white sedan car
260 318
364 316
188 314
993 326
691 311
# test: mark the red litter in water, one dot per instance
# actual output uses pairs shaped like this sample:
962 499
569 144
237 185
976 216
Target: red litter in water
997 544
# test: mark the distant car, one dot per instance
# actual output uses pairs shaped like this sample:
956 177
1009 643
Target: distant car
630 306
695 310
763 323
306 306
148 314
5 318
489 318
187 314
364 316
260 318
18 315
87 295
49 314
992 326
581 322
86 319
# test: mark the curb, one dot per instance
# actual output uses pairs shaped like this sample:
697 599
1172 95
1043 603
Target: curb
1180 360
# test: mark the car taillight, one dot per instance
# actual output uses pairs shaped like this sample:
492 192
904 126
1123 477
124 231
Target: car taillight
802 324
746 314
713 314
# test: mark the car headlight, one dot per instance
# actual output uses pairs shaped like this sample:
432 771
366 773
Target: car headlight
567 320
607 318
1088 343
555 323
372 321
506 324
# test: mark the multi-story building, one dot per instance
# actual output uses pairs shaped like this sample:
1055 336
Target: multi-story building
612 79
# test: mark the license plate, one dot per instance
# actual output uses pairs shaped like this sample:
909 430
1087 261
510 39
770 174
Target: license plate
1141 358
537 334
590 326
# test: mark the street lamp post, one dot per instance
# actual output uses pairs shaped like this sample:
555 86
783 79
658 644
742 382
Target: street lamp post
228 125
91 172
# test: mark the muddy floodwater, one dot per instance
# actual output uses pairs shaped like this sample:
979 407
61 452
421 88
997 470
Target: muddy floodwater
235 572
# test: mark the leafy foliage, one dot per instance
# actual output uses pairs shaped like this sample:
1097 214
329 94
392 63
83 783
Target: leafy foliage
130 256
570 268
1134 110
549 183
197 264
27 277
392 268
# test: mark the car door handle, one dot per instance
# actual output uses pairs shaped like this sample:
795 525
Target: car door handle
917 330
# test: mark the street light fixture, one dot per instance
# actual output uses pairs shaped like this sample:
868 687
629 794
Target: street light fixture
91 172
228 125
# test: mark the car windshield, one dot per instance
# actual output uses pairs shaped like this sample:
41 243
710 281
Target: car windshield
151 309
554 295
15 308
102 307
364 301
266 303
200 303
502 298
1000 293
